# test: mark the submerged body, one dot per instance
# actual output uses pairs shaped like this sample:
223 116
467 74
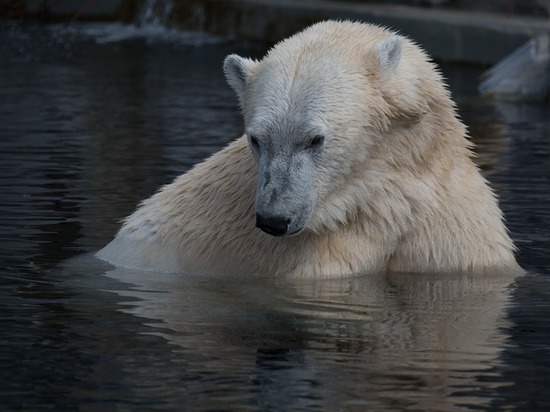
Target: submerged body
353 161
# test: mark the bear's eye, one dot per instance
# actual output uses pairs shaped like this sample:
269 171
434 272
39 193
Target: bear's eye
316 141
254 143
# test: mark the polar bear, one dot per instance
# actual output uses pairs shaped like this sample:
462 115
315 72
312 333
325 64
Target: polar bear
353 161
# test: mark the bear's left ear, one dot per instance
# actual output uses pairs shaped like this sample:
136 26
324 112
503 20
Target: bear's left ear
389 53
236 69
400 92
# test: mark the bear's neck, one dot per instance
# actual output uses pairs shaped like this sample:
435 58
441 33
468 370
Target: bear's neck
407 170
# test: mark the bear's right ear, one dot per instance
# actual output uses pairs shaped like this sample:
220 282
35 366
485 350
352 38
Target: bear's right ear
389 53
236 69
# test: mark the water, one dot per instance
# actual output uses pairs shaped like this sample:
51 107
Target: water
95 117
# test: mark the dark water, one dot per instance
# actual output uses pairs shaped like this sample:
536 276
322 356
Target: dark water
94 118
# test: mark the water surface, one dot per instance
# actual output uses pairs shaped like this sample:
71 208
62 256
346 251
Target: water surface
95 117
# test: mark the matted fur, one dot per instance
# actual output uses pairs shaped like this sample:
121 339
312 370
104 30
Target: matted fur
395 188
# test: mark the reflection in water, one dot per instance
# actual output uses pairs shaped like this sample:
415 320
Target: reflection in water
89 129
411 341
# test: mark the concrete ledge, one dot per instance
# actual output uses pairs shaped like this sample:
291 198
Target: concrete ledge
447 35
66 10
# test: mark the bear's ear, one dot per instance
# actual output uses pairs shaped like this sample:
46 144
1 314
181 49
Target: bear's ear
389 53
236 69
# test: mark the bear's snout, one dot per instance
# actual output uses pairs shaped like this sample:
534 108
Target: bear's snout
273 225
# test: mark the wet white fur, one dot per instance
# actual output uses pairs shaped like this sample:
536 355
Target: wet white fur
393 188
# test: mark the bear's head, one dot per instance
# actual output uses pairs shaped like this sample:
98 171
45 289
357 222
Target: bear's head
314 109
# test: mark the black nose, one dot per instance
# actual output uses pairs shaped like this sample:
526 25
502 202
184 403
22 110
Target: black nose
275 226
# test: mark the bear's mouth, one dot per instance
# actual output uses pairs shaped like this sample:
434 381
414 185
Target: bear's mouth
296 232
280 234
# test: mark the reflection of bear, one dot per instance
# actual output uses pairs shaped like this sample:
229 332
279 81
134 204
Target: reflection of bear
353 146
394 341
